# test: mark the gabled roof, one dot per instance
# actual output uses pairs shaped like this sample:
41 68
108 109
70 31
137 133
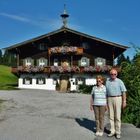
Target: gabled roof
65 29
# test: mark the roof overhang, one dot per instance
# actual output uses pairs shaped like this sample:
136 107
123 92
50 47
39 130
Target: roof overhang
104 46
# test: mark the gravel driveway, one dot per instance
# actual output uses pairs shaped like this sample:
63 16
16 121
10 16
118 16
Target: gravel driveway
47 115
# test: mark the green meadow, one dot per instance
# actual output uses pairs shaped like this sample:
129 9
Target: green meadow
7 79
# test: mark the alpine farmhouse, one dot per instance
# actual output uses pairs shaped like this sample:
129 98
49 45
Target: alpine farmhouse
63 59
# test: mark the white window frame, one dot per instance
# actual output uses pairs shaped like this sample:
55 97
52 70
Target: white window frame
27 81
55 63
100 61
41 62
80 81
84 61
40 81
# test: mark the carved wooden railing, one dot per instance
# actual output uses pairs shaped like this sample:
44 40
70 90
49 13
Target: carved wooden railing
65 50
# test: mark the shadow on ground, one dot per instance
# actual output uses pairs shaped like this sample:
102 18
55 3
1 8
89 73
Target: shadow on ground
91 125
88 124
129 132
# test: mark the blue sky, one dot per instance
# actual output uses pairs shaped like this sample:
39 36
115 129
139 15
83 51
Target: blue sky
113 20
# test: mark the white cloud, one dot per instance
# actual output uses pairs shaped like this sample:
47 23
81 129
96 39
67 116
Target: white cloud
15 17
42 23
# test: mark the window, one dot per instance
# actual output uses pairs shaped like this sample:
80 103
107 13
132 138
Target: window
55 81
42 46
85 45
80 81
55 62
28 61
42 62
84 61
27 81
100 61
40 81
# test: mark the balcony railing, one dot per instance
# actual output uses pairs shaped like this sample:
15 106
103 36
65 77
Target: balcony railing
60 69
65 50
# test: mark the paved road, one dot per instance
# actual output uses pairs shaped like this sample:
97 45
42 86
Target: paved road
47 115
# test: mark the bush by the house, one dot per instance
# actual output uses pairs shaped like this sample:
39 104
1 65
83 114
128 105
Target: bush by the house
86 89
130 74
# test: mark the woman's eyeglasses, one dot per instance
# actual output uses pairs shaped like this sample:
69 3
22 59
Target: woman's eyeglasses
99 81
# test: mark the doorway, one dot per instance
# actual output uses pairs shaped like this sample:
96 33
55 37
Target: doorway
64 83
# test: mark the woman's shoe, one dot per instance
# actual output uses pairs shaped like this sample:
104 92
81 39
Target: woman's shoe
100 133
97 133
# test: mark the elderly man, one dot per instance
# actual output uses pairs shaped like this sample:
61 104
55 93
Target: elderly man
116 92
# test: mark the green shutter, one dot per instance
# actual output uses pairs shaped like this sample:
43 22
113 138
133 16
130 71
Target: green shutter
37 62
46 62
87 61
23 62
79 62
32 62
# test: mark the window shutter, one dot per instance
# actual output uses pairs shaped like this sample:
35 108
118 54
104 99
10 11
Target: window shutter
79 62
23 62
32 62
37 62
87 61
46 62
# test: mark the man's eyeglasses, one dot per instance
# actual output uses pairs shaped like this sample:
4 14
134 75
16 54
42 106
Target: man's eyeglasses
113 74
99 81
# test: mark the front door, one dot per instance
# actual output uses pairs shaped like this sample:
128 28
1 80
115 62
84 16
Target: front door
64 83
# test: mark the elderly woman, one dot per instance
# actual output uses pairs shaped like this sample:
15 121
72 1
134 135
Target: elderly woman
98 103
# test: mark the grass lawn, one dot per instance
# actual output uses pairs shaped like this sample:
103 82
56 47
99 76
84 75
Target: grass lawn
7 79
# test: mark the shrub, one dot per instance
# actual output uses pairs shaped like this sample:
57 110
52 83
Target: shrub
86 89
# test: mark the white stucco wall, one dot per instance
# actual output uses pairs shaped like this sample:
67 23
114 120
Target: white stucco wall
73 86
51 85
90 81
48 83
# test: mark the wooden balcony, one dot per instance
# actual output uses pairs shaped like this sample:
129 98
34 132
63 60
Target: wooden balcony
65 50
61 69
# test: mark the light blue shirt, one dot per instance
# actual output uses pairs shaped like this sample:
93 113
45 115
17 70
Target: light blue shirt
99 95
115 87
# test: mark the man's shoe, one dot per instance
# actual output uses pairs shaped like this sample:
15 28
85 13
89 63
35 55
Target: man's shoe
118 136
111 135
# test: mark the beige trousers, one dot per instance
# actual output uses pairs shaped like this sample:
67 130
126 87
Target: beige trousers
115 105
99 112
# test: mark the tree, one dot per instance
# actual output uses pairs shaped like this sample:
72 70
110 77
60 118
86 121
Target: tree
128 59
0 56
121 59
0 53
130 74
9 59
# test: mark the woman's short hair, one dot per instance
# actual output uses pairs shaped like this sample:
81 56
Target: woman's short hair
100 77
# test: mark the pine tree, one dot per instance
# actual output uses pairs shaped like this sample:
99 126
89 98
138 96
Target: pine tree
9 59
121 59
128 59
0 56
